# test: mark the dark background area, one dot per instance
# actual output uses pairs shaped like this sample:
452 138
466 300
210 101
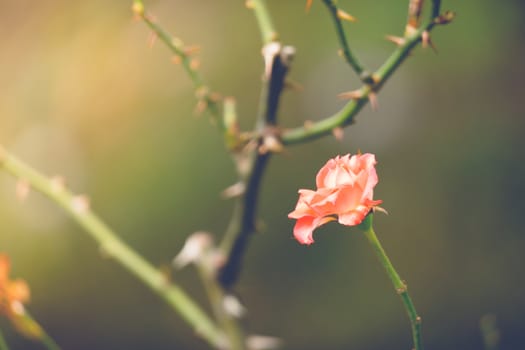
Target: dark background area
82 95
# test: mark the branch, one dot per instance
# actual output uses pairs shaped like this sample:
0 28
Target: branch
415 7
3 343
243 221
207 100
436 9
337 16
217 298
264 20
277 60
238 240
78 210
346 115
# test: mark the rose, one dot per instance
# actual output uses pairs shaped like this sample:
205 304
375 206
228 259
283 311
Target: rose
345 188
13 293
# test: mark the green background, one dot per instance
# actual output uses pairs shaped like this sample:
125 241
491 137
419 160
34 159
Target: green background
82 95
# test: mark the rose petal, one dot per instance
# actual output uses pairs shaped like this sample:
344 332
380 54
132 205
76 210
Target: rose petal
4 267
18 290
304 227
349 197
354 217
303 206
303 230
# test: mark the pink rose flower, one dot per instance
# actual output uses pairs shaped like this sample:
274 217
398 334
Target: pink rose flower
345 189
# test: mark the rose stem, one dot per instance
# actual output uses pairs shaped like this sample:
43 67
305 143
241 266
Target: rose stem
399 285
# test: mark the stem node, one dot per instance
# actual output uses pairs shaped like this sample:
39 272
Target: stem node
401 290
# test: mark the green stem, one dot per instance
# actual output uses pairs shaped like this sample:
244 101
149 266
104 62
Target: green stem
49 343
264 20
29 327
34 330
350 58
3 342
216 297
346 115
177 47
399 286
490 332
116 248
234 225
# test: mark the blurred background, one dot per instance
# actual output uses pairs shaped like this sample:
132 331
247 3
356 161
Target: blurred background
83 95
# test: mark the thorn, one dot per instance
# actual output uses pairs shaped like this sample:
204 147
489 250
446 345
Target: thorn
195 64
426 41
201 92
287 55
233 306
150 18
152 39
338 133
351 95
80 204
200 107
136 17
345 16
58 184
234 190
293 85
380 209
194 248
372 97
399 41
215 97
308 124
250 146
192 50
217 259
165 272
176 60
242 161
263 342
22 189
308 5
